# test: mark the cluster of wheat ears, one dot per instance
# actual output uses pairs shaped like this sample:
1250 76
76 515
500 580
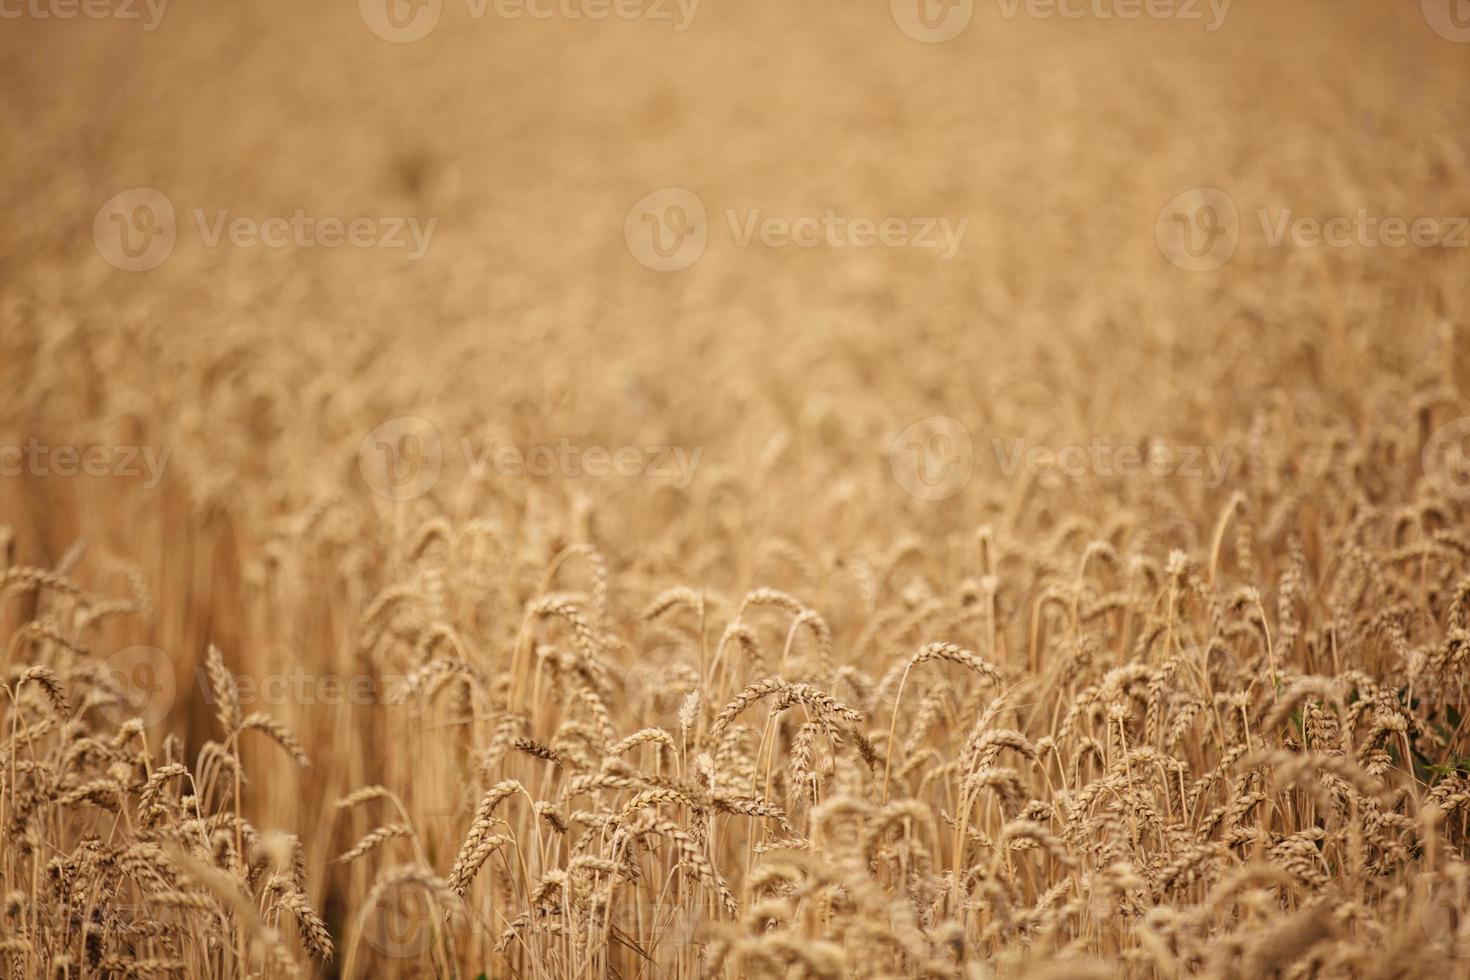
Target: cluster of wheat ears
1246 761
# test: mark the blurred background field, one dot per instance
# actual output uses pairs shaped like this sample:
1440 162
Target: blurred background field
528 321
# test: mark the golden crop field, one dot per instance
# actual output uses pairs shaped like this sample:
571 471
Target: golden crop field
678 488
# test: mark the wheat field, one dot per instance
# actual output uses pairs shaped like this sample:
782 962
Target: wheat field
573 490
